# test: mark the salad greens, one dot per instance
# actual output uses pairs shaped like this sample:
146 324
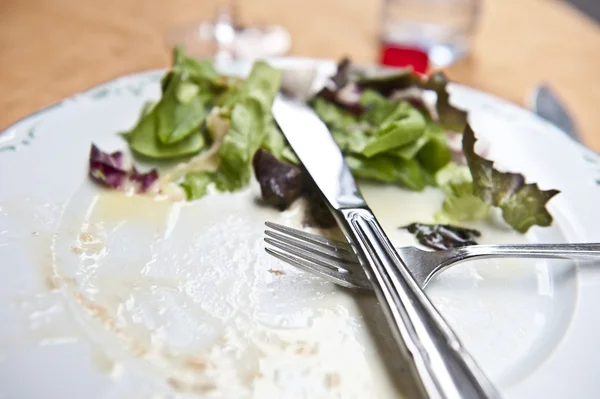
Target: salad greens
178 124
281 183
523 205
382 123
442 236
246 133
460 204
389 141
109 169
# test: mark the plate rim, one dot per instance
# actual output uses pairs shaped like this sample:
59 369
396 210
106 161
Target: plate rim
522 388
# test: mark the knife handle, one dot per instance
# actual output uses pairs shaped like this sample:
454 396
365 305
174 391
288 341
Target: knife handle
443 366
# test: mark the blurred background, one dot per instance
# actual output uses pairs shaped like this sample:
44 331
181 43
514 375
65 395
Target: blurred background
52 49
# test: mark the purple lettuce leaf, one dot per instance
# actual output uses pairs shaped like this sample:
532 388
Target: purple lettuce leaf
143 181
450 117
341 90
344 89
108 170
402 85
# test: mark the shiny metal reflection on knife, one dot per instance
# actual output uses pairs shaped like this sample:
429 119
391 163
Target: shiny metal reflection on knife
442 366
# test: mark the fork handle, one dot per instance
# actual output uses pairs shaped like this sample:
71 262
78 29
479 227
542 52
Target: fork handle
565 251
443 366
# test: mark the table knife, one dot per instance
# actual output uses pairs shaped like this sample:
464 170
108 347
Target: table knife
441 365
545 103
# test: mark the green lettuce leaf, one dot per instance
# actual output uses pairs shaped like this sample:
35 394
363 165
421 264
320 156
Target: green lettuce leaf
450 117
245 136
382 113
186 92
435 154
262 84
195 184
395 133
200 72
460 203
176 119
143 141
352 140
523 205
350 135
371 98
290 156
274 141
410 151
248 109
335 117
385 126
407 173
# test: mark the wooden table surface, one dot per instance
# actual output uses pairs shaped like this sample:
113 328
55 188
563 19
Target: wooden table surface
50 49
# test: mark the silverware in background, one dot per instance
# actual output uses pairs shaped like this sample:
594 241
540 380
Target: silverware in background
335 261
545 102
442 366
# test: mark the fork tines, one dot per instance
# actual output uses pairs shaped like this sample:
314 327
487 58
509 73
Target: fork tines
318 255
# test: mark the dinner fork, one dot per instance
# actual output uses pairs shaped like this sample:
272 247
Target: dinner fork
335 260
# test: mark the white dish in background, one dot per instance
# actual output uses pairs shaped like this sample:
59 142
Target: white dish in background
106 296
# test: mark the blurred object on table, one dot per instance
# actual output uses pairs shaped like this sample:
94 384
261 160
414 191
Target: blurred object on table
427 33
591 8
545 102
225 38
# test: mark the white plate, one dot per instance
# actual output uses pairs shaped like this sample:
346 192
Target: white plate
111 297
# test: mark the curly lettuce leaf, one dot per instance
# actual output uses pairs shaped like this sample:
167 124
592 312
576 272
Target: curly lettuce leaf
449 116
523 205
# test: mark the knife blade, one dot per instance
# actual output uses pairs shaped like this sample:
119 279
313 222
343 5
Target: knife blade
545 103
321 156
442 367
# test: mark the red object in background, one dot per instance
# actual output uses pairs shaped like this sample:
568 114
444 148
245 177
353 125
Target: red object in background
397 55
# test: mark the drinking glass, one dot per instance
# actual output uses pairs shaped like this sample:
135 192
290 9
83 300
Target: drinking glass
427 33
224 38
